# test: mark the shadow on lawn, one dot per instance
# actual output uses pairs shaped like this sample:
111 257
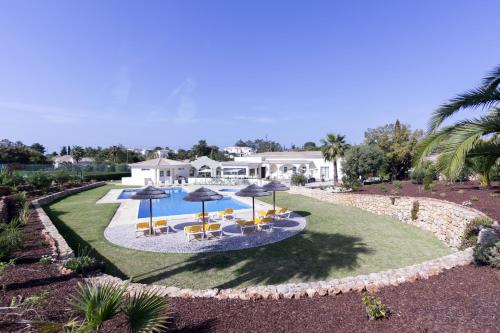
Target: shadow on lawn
305 256
76 242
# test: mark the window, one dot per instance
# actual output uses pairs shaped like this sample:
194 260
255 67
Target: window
285 169
168 173
294 169
162 173
325 172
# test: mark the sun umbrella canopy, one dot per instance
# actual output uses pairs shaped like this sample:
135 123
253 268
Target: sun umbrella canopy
150 192
253 191
202 194
275 186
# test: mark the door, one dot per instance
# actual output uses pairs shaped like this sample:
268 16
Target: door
263 172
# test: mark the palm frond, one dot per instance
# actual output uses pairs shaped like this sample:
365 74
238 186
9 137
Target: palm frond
492 79
482 97
146 311
98 302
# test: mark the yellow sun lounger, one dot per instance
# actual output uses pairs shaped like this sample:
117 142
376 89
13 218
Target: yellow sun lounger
246 224
161 224
193 230
198 216
283 213
263 223
142 228
270 213
213 228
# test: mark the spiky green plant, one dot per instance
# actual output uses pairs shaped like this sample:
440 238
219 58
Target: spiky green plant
98 302
478 137
334 147
146 311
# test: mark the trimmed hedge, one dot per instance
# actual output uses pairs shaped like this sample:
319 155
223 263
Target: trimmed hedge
105 176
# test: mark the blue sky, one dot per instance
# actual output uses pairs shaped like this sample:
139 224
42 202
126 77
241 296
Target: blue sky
147 73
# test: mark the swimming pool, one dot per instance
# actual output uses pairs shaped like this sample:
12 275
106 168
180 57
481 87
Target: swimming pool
228 190
174 205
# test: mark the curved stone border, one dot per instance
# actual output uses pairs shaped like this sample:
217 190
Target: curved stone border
445 219
63 250
371 282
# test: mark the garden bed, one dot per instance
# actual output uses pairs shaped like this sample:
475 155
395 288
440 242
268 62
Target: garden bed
486 200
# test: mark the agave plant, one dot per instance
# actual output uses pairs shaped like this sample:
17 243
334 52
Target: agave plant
146 312
466 139
98 302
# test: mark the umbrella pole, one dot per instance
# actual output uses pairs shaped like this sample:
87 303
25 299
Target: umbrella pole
253 208
203 217
150 217
274 200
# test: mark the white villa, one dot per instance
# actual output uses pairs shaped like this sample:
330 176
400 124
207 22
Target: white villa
158 171
69 159
271 165
239 151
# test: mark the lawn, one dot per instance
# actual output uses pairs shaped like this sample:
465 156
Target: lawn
337 242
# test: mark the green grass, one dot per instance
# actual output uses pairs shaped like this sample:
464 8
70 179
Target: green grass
337 242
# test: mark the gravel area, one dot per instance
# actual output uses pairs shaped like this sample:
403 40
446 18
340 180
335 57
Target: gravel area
175 240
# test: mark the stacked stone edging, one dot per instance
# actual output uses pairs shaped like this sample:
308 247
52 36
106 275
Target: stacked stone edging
370 282
446 220
63 250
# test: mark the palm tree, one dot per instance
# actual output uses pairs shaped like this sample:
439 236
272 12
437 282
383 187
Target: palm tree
466 139
334 147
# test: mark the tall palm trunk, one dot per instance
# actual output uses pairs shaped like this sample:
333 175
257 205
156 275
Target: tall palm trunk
335 175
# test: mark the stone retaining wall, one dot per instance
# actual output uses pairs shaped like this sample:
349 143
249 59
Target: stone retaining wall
446 220
63 250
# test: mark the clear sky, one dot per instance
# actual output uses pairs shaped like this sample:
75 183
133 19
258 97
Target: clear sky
147 73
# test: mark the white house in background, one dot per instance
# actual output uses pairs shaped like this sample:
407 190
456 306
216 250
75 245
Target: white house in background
239 151
158 171
69 159
272 165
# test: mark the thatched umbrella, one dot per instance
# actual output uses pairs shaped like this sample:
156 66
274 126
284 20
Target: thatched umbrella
275 186
253 191
150 193
201 195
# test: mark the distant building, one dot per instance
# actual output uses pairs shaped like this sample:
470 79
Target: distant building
158 171
69 159
239 151
162 153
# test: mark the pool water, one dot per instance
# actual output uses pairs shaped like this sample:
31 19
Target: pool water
228 190
174 205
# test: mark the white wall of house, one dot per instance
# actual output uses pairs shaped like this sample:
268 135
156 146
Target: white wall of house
162 176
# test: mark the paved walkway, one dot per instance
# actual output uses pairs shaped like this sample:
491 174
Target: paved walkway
121 230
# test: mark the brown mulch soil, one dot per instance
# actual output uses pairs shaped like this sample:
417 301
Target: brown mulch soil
30 278
486 200
463 299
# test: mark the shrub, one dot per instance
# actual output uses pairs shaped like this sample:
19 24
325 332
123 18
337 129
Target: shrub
10 239
474 198
39 180
351 183
397 184
10 178
487 254
145 311
426 170
427 181
30 301
82 264
375 308
46 260
6 264
414 210
299 179
471 232
61 177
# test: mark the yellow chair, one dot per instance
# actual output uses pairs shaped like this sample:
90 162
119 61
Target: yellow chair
213 228
193 230
264 222
198 217
283 213
161 224
270 213
142 227
228 214
246 224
